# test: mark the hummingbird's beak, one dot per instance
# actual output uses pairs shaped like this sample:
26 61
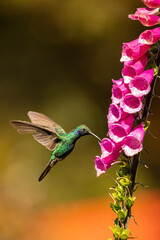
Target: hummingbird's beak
95 136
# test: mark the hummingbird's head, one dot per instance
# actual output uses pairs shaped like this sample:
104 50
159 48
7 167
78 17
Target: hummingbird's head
84 130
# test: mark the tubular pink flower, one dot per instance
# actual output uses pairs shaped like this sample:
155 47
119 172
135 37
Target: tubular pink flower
131 104
140 85
152 3
107 147
149 20
132 144
110 153
145 11
118 91
117 82
99 166
147 16
115 113
133 50
118 131
133 68
150 36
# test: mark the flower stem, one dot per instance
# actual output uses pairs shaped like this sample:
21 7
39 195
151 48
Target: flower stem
145 115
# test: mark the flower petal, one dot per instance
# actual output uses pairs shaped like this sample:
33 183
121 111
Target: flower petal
131 104
133 50
140 85
118 131
110 153
107 146
132 144
149 20
118 92
115 114
150 36
99 166
152 3
134 68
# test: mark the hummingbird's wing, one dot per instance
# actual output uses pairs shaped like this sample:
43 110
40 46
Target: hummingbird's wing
42 134
43 120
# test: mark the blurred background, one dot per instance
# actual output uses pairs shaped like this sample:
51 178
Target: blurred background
58 58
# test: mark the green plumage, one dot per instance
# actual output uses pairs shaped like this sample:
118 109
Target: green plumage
52 136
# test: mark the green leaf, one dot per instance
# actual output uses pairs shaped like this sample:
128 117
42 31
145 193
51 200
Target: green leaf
130 201
125 182
119 189
115 195
115 231
116 221
155 70
127 231
124 234
111 228
113 207
117 206
125 213
121 215
124 237
117 173
120 197
146 126
121 231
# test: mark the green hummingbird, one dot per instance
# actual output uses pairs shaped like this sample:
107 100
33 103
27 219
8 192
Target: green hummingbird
52 136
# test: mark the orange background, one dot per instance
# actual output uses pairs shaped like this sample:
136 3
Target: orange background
89 220
82 220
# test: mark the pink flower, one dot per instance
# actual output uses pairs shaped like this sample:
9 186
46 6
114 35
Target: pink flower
110 153
147 16
150 36
100 166
108 148
133 68
119 89
140 85
152 3
118 131
115 114
133 50
131 104
145 11
149 20
117 82
132 144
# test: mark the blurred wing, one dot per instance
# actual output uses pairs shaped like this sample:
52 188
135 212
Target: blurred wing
24 127
49 141
41 134
44 121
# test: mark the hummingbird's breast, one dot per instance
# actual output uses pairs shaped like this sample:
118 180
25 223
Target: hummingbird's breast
66 146
63 149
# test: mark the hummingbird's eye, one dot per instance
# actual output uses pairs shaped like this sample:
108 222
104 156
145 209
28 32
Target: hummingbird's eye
84 130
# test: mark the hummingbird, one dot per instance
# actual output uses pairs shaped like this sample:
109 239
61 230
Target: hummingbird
52 136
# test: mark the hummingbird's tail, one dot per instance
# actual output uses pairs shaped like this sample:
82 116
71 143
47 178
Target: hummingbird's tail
47 169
